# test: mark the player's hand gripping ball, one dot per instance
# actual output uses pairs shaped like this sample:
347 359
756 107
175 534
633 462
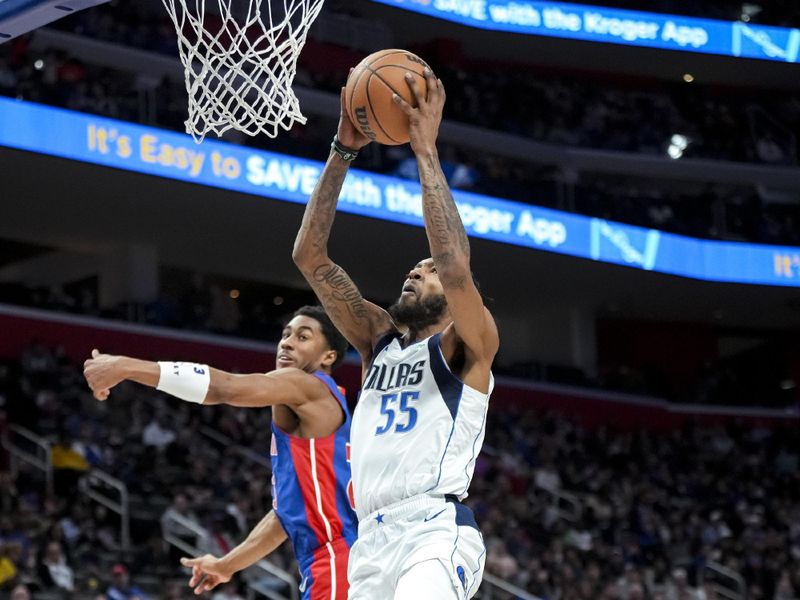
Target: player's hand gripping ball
369 90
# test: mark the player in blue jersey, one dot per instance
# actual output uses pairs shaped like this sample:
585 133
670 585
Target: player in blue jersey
311 495
419 423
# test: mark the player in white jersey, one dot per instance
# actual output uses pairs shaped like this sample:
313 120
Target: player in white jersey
419 423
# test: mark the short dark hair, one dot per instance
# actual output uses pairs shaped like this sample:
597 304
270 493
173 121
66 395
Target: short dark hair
336 340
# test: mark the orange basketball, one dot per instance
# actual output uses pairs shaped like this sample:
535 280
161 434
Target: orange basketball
368 95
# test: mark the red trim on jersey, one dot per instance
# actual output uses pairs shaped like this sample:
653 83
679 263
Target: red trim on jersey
325 450
326 481
321 577
342 560
301 458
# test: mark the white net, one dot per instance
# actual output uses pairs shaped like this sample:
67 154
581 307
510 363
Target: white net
240 59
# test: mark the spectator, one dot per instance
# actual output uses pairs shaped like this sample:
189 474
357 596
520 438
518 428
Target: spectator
548 478
87 447
68 465
499 561
216 541
65 456
173 524
121 587
9 556
157 433
652 507
20 592
54 570
678 588
11 533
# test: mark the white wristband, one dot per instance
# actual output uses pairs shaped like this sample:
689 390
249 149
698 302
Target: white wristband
187 381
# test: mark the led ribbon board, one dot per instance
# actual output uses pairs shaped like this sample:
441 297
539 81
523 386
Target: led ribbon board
152 151
616 26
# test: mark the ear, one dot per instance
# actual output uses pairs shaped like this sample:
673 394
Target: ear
329 358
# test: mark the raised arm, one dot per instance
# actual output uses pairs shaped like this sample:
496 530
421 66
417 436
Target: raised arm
203 384
359 320
209 571
447 238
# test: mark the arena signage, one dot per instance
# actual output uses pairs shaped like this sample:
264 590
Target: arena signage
152 151
618 26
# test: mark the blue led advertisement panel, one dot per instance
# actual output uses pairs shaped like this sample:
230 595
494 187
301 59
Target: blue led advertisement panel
152 151
616 26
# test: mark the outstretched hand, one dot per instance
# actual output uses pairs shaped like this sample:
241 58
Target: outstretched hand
102 372
206 573
424 120
348 134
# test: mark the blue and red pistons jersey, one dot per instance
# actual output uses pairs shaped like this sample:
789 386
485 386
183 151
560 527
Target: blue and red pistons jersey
312 492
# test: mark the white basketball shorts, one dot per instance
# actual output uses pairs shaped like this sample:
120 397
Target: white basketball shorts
386 561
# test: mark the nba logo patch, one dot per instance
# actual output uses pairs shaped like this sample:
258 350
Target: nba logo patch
462 577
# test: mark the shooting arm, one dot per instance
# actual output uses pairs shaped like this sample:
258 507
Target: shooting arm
359 320
447 238
451 254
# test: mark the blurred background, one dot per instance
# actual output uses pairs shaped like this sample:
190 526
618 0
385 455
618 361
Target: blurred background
642 441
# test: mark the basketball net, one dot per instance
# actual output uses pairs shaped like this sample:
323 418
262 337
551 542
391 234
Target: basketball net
240 59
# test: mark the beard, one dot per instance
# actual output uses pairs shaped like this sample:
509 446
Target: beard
419 315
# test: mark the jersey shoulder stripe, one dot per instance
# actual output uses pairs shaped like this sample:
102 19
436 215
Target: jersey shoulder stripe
450 386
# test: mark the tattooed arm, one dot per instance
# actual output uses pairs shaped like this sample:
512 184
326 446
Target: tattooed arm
359 320
447 238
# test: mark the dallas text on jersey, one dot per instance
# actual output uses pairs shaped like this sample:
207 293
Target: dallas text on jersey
383 378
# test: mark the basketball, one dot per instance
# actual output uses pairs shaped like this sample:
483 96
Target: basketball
368 94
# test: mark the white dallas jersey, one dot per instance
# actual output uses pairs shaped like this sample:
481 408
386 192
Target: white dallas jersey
416 429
